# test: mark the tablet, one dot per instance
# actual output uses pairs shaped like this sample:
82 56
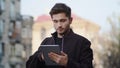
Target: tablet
47 49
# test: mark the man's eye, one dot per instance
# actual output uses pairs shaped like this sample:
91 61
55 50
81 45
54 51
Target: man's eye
55 21
62 20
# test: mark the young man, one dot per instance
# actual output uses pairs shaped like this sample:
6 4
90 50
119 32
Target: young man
75 49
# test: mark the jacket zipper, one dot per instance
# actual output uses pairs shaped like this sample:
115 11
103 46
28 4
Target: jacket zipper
62 44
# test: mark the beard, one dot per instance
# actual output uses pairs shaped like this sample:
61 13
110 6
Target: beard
62 31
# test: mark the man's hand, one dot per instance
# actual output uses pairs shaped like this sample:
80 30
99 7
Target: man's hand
61 59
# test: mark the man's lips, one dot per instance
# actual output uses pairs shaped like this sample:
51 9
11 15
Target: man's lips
60 29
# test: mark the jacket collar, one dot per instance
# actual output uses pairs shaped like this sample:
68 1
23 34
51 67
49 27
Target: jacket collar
67 34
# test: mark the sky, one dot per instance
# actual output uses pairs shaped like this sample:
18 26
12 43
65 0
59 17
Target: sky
93 10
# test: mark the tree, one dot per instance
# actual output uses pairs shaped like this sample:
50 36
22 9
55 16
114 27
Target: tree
113 57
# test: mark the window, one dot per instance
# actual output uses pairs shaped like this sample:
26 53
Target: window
18 31
1 28
11 29
18 49
24 32
2 5
12 10
1 48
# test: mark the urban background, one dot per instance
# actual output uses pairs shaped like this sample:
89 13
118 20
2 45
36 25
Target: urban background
21 35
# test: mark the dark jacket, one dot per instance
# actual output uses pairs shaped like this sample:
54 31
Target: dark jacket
75 46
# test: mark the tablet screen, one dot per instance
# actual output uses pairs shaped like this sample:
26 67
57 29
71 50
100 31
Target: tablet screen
47 49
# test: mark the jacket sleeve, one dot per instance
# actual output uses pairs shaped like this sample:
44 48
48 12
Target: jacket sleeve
35 60
86 57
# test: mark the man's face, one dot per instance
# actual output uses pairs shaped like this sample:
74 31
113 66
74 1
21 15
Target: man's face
61 22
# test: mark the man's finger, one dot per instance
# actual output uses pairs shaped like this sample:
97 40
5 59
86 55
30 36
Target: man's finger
53 56
42 56
62 53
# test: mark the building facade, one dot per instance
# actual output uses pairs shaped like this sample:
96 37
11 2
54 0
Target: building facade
27 35
13 51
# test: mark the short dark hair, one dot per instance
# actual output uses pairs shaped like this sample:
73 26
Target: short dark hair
61 8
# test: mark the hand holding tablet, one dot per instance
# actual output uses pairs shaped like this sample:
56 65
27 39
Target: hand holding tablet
47 49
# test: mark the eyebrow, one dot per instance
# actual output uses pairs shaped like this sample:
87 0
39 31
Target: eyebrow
60 20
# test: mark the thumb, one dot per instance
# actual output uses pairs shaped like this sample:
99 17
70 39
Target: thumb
62 53
42 56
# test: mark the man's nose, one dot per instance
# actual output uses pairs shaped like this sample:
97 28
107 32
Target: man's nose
59 24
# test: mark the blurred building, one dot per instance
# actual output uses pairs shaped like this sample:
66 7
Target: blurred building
43 28
27 35
13 51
